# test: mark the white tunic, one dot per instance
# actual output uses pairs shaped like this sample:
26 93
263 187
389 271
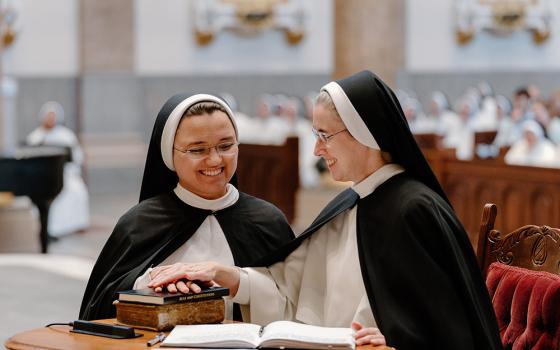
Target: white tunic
319 283
208 243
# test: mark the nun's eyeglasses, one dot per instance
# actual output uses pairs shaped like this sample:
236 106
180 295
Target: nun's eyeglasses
324 137
199 152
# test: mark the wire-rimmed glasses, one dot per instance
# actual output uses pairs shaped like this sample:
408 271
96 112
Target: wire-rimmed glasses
323 136
199 152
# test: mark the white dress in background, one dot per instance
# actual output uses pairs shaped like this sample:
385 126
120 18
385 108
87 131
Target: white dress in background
460 136
543 154
485 119
69 212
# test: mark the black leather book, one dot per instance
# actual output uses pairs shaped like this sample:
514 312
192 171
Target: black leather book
148 296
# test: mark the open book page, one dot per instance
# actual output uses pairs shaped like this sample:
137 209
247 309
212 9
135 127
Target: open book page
302 336
234 335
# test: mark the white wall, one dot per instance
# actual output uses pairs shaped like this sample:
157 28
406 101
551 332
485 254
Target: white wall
431 45
165 44
47 43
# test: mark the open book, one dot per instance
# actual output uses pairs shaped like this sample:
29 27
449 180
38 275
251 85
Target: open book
279 334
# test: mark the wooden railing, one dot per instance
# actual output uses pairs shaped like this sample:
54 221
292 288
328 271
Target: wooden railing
523 195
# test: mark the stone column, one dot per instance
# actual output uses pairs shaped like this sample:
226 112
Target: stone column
369 34
106 35
106 44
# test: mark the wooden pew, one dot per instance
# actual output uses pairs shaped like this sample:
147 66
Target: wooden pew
428 140
271 172
486 137
523 194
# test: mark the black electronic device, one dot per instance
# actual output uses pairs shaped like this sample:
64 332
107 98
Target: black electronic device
104 330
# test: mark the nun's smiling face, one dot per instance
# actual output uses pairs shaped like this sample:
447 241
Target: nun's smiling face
204 173
347 159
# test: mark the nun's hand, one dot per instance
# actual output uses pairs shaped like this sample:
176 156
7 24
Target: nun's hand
207 273
174 286
367 335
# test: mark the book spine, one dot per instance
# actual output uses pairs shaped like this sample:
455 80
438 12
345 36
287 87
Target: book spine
209 295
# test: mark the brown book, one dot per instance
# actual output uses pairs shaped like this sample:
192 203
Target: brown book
165 317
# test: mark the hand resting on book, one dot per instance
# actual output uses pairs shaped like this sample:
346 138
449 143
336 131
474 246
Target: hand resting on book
204 272
176 285
228 277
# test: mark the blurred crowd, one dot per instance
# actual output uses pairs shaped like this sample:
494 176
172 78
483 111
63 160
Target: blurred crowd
278 117
527 126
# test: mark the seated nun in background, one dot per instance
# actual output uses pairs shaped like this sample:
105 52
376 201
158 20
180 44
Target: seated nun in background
388 252
440 113
534 149
417 120
261 128
242 120
188 210
460 134
69 212
554 109
505 124
550 124
485 119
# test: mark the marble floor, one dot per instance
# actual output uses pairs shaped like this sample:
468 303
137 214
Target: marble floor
39 289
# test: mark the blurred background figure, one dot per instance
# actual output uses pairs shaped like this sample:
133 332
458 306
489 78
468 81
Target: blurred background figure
553 129
550 124
69 211
460 134
417 120
485 118
534 149
244 122
503 117
522 103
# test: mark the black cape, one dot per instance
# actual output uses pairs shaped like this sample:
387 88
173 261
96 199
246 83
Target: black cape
156 227
419 270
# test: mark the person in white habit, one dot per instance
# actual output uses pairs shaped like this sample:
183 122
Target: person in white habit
460 134
189 208
69 212
387 256
534 149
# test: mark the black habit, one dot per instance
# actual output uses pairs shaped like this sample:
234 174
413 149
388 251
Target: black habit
158 225
420 273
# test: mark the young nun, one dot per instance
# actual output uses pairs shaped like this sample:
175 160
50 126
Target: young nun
388 252
188 210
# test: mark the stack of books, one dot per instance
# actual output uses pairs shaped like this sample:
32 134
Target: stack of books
144 308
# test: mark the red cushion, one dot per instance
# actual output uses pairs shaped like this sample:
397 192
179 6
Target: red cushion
527 306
